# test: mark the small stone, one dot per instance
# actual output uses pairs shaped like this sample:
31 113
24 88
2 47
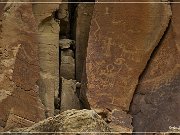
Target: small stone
67 52
66 43
69 99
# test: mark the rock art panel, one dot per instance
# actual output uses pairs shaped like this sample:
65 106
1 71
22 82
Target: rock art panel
20 105
157 98
121 40
48 43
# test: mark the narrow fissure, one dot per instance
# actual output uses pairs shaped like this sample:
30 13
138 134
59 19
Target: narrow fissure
67 97
70 41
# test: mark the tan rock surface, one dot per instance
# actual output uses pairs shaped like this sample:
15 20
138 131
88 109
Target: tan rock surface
48 43
20 105
69 99
84 121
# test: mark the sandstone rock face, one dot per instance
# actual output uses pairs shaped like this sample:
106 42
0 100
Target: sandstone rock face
156 104
48 43
64 16
83 21
71 121
121 40
69 99
20 105
67 65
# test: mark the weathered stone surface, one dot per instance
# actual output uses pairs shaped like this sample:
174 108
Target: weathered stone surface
156 104
67 52
120 44
83 21
66 43
69 99
71 121
121 40
20 105
48 43
67 67
118 120
64 17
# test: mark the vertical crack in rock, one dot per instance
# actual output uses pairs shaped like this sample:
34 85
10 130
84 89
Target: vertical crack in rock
138 95
117 55
156 100
48 42
20 105
68 98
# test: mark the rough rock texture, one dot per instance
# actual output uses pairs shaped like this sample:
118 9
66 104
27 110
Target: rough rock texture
64 16
69 99
121 41
20 105
156 104
82 23
48 43
67 65
71 121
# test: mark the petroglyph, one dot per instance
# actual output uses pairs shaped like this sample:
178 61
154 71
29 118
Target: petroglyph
118 51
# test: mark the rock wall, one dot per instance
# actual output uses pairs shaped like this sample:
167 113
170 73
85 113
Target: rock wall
81 35
157 98
121 40
48 43
120 61
20 105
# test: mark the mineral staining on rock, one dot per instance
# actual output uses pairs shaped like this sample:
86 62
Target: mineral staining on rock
121 40
20 105
157 98
44 69
83 15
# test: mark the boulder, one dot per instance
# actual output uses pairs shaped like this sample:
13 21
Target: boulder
71 122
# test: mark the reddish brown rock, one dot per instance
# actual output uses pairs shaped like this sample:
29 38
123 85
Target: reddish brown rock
120 44
20 105
156 104
121 40
83 21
